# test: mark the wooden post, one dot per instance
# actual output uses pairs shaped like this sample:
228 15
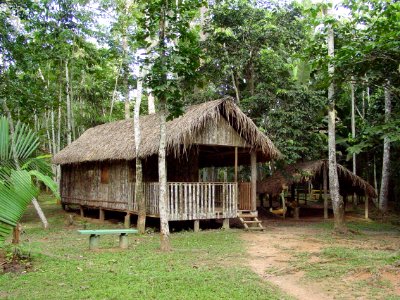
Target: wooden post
81 211
127 221
325 183
236 164
101 215
283 205
196 227
225 224
253 162
366 207
123 241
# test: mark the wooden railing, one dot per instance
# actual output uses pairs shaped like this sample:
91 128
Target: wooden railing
186 200
193 200
201 200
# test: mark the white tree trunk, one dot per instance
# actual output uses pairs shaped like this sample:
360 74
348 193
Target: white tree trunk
337 203
59 139
162 173
162 162
150 102
125 78
139 197
115 90
383 195
353 123
67 90
40 213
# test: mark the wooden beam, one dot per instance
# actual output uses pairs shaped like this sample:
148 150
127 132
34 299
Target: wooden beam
253 162
236 164
366 207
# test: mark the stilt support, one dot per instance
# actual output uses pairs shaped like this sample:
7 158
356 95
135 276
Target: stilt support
127 221
366 207
196 227
225 224
101 215
81 211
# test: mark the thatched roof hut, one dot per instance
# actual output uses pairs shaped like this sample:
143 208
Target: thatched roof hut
313 171
115 140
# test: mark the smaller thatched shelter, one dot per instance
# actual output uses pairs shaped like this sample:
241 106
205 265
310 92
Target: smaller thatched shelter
314 175
313 171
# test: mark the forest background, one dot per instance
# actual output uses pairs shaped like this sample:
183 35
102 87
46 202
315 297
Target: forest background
69 65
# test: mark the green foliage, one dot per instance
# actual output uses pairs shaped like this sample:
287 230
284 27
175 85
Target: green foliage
173 68
17 188
16 192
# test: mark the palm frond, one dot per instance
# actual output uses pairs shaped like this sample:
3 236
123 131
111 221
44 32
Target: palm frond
15 194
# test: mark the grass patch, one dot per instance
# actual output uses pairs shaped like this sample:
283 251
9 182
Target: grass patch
361 225
336 261
205 265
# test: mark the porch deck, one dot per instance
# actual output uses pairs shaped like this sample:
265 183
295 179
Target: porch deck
186 200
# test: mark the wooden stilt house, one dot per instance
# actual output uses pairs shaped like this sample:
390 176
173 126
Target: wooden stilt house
98 169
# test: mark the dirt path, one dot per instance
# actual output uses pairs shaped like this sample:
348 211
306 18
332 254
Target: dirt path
274 255
269 257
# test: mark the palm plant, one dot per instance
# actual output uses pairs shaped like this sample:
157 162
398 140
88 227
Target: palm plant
19 171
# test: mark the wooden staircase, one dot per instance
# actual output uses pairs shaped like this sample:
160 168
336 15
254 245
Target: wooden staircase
249 219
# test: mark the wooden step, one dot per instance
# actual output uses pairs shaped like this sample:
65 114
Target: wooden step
249 224
252 222
255 228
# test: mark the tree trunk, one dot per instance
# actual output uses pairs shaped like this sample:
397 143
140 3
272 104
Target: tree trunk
150 102
67 90
162 163
115 90
383 195
162 172
59 139
139 197
353 133
251 76
236 87
353 123
125 64
125 68
337 203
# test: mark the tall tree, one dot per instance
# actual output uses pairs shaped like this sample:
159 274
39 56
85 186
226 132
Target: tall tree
172 67
383 195
337 202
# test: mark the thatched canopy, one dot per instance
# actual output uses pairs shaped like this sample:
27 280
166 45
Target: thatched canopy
115 140
303 172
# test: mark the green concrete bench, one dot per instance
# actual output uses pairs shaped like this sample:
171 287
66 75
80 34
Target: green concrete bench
95 236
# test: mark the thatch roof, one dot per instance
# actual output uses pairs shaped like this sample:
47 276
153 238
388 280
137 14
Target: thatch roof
303 172
115 140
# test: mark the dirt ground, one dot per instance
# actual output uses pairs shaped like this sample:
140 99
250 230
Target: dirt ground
274 255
